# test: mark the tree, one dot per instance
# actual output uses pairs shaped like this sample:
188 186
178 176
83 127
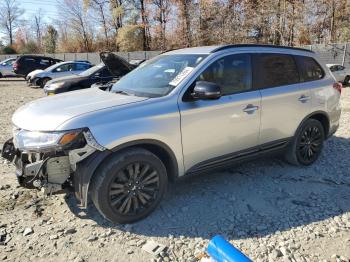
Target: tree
50 39
130 38
99 6
10 17
73 12
8 50
38 25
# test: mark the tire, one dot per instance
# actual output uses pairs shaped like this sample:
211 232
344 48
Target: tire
0 75
307 144
120 196
346 81
43 82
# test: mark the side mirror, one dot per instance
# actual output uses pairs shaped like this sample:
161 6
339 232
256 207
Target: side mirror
206 90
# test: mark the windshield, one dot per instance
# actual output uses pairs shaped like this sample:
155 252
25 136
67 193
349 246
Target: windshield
92 70
157 77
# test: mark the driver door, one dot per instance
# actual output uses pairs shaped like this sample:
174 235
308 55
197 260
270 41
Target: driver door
213 130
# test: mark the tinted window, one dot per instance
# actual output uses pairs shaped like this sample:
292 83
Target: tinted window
45 62
309 69
81 66
232 73
29 60
272 70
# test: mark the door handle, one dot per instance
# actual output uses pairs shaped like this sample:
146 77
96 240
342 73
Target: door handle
304 98
250 109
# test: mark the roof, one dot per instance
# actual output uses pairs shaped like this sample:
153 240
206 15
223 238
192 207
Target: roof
217 48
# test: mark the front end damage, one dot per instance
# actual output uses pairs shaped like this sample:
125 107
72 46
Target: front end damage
56 168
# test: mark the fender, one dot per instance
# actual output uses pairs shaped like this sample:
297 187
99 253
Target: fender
86 168
325 114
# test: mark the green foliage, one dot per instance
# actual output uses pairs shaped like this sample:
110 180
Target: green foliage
8 50
50 39
130 38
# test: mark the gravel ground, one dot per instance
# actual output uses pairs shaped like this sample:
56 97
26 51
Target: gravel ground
270 210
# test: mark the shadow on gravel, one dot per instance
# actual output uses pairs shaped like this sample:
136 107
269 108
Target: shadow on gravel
253 199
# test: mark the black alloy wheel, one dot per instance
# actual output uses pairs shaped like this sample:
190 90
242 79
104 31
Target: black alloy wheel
310 144
134 188
307 144
129 185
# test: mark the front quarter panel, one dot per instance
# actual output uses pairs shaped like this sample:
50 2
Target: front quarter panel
154 119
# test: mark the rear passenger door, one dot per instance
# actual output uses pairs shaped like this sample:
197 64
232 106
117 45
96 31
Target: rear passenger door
286 100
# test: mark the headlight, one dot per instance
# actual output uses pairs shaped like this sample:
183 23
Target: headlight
33 140
54 86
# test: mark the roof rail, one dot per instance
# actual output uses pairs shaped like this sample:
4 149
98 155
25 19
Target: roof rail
259 45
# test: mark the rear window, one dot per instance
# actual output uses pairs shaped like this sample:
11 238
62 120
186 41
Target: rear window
310 70
271 70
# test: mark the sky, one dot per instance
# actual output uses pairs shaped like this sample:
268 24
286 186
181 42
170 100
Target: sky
31 7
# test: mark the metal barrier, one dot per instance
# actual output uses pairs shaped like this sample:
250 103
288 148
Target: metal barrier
332 54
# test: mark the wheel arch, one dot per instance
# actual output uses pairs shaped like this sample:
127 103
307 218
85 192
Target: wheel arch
86 169
322 117
160 149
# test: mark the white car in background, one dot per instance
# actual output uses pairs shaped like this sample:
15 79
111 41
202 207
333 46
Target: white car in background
340 73
6 67
41 77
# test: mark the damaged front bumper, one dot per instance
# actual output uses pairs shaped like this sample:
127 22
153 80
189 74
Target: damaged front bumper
52 171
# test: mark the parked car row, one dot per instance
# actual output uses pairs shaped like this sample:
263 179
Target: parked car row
40 77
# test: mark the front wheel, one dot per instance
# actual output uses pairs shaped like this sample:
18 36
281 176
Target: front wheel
128 186
346 80
307 144
43 82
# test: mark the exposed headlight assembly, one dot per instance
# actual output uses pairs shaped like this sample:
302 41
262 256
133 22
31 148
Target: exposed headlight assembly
41 141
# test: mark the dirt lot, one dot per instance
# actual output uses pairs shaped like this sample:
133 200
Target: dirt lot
269 209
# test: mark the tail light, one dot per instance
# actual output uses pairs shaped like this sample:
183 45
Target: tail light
15 65
338 86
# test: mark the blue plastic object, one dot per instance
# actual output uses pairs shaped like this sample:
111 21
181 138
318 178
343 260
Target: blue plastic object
222 251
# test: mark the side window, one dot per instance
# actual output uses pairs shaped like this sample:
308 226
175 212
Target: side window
45 62
29 60
232 73
63 68
271 70
341 67
80 67
309 69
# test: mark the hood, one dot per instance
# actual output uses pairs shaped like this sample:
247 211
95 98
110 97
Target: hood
46 114
70 78
35 72
117 65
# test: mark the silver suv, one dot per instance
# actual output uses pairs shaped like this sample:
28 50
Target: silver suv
183 112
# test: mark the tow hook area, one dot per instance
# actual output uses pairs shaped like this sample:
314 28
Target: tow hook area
57 170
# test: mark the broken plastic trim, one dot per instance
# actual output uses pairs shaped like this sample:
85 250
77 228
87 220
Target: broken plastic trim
91 141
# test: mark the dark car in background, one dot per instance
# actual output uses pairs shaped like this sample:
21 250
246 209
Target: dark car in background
112 68
28 63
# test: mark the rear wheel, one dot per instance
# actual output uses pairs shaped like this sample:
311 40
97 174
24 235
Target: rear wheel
307 145
129 185
0 75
